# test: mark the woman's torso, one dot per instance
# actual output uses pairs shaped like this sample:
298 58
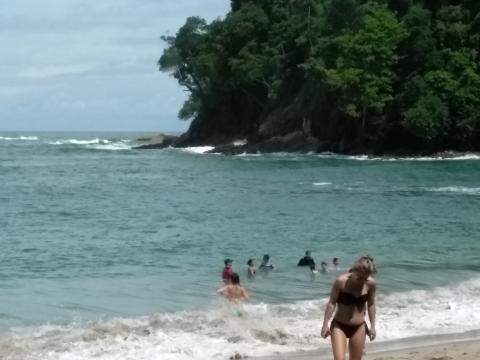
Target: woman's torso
351 302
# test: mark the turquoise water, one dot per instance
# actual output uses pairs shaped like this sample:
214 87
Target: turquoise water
93 230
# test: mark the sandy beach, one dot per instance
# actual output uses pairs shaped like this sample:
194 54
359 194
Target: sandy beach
457 349
467 350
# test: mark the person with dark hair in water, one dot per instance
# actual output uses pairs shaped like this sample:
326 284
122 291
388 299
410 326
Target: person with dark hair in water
251 270
234 292
352 293
307 260
266 265
335 263
227 271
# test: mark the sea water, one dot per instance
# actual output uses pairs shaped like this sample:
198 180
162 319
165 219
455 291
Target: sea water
113 253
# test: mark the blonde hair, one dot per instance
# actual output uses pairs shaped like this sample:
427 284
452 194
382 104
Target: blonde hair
364 265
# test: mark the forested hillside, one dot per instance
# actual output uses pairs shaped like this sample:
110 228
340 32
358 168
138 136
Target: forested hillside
356 76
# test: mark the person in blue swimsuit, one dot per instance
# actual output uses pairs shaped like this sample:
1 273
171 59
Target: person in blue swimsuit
352 295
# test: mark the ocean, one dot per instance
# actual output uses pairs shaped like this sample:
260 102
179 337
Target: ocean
113 253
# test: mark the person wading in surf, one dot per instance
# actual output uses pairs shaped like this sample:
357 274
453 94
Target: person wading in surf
234 292
351 293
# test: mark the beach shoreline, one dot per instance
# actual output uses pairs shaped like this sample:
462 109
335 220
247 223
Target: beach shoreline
464 346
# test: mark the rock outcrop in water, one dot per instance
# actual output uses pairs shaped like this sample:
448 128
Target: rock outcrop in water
380 77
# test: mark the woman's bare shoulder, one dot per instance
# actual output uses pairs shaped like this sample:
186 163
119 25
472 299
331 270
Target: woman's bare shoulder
342 279
371 282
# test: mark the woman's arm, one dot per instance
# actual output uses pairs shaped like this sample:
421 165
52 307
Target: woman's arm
222 290
245 294
372 310
330 308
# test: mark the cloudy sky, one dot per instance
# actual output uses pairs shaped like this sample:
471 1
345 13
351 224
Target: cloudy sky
91 64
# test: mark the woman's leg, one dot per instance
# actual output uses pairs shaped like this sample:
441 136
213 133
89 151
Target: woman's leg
356 345
339 343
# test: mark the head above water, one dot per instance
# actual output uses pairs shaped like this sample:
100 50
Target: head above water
335 261
228 262
235 279
266 257
250 262
364 266
308 253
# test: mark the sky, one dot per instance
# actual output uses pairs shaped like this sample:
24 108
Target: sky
91 65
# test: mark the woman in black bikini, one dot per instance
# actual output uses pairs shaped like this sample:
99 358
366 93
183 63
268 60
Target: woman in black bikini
351 293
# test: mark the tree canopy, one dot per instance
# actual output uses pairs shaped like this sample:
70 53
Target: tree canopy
363 74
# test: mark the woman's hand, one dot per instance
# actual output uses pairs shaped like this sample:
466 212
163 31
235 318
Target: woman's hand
325 331
372 333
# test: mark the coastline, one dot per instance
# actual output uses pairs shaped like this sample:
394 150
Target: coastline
464 346
295 144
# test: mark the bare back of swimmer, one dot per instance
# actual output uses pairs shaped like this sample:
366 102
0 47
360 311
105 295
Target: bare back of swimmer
234 292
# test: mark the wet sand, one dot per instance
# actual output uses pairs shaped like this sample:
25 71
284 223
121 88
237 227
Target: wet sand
454 350
467 350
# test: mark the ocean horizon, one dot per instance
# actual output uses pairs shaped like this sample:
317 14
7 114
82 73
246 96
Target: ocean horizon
115 253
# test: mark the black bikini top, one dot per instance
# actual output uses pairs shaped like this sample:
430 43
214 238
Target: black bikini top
348 299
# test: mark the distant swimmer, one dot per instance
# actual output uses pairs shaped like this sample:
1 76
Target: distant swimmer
251 270
227 271
323 266
234 292
266 265
352 293
307 260
335 263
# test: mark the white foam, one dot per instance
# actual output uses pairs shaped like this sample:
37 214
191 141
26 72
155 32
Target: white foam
321 183
22 138
113 146
245 154
441 310
446 157
240 142
96 144
198 149
458 189
79 142
251 329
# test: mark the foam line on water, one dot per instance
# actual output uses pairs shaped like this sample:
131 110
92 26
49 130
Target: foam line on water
21 138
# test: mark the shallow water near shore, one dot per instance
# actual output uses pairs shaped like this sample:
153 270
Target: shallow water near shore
109 252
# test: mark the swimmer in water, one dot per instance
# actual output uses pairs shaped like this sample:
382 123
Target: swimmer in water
234 292
227 271
335 263
266 265
251 268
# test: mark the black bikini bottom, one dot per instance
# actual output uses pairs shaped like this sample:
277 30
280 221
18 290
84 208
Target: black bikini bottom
348 330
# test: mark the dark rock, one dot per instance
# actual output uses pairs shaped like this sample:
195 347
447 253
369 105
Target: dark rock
156 142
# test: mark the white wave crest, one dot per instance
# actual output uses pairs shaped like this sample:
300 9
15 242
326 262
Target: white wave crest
321 183
21 138
198 149
441 310
79 142
458 189
112 146
442 157
96 144
242 142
